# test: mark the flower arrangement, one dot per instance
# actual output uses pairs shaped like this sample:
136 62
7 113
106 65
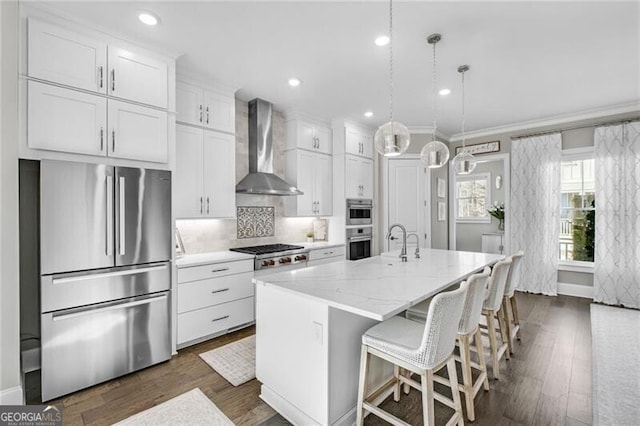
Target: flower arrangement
497 211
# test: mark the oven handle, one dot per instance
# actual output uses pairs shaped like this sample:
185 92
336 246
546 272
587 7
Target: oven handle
358 239
360 207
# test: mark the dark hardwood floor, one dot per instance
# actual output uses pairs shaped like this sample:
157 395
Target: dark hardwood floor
546 382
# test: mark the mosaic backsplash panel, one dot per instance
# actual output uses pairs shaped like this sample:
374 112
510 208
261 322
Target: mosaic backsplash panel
255 222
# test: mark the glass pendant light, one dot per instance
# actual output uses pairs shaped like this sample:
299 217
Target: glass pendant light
463 163
392 138
434 154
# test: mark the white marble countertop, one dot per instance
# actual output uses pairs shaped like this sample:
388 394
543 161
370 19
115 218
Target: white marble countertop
210 258
382 286
320 245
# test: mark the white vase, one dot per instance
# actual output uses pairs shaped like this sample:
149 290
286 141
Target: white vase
309 239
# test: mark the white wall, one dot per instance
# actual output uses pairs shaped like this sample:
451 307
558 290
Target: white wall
10 386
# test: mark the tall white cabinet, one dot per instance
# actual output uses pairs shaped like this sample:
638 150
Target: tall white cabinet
205 152
309 167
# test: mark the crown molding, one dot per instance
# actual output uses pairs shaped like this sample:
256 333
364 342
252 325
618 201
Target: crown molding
549 122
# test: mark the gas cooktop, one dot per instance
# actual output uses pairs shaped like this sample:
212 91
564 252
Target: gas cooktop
267 249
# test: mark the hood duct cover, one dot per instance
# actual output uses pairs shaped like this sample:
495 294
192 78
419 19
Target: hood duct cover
261 179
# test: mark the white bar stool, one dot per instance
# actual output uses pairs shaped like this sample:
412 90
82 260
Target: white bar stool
418 348
468 334
492 310
509 303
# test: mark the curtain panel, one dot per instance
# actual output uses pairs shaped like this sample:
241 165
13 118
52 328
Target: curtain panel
535 210
617 240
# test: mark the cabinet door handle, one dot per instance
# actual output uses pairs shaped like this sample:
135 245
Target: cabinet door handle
100 71
220 319
219 291
207 205
101 139
113 140
200 119
201 206
113 80
207 115
213 271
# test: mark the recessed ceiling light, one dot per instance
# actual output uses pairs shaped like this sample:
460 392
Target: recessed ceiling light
382 40
368 114
148 18
444 92
293 82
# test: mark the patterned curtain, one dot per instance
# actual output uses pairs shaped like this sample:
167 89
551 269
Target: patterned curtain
535 210
617 240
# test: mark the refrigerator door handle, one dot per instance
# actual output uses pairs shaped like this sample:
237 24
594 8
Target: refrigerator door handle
121 216
93 310
85 277
109 227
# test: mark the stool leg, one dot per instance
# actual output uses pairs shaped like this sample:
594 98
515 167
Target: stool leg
426 379
493 344
455 392
362 387
483 364
396 387
467 381
516 319
506 307
503 331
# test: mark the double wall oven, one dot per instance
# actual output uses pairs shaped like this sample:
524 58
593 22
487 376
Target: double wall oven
359 233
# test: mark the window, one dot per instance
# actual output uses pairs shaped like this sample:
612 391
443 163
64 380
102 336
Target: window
473 198
577 209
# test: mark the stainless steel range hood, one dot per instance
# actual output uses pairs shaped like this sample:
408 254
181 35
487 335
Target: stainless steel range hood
261 179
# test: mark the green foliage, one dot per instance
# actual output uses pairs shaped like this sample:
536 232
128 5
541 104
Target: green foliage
584 235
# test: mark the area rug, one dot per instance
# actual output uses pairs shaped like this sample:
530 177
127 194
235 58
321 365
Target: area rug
190 408
236 362
615 334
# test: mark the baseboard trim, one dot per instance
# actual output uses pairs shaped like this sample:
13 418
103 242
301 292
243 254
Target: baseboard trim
12 396
567 289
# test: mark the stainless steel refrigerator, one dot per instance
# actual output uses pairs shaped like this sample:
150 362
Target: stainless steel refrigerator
105 249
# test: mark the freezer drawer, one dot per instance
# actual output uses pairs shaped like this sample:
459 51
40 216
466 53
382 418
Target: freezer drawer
63 291
85 346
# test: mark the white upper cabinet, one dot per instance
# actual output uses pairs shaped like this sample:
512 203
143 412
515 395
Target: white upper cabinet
137 133
358 142
137 77
310 172
308 135
58 55
66 120
205 173
203 107
358 177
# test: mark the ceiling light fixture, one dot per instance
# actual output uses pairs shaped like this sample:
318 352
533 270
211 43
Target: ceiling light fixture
294 82
368 114
434 154
148 18
463 163
382 40
444 92
392 138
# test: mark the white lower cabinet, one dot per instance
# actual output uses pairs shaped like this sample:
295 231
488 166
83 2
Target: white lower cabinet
205 173
320 256
214 298
310 172
358 177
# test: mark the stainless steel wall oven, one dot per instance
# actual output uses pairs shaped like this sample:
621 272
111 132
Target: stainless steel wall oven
359 242
359 212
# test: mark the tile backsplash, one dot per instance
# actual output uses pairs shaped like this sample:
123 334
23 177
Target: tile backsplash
255 222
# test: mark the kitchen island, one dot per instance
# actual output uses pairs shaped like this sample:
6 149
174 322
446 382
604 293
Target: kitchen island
310 323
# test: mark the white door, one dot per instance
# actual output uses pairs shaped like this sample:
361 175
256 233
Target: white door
219 174
58 55
219 112
188 191
407 197
323 185
305 182
137 133
189 103
137 77
66 120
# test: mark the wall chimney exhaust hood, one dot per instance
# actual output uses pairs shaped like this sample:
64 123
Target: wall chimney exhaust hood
261 180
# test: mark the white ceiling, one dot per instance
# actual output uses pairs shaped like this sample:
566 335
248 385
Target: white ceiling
529 60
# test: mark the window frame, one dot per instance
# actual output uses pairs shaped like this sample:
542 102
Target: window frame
574 154
488 197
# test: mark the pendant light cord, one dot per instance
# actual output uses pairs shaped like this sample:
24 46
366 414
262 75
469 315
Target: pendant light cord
435 123
463 117
391 60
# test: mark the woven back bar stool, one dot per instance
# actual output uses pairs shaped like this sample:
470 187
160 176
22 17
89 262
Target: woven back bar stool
492 311
509 303
418 348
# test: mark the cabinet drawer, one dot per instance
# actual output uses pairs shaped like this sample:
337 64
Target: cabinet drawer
203 322
213 270
327 253
214 291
